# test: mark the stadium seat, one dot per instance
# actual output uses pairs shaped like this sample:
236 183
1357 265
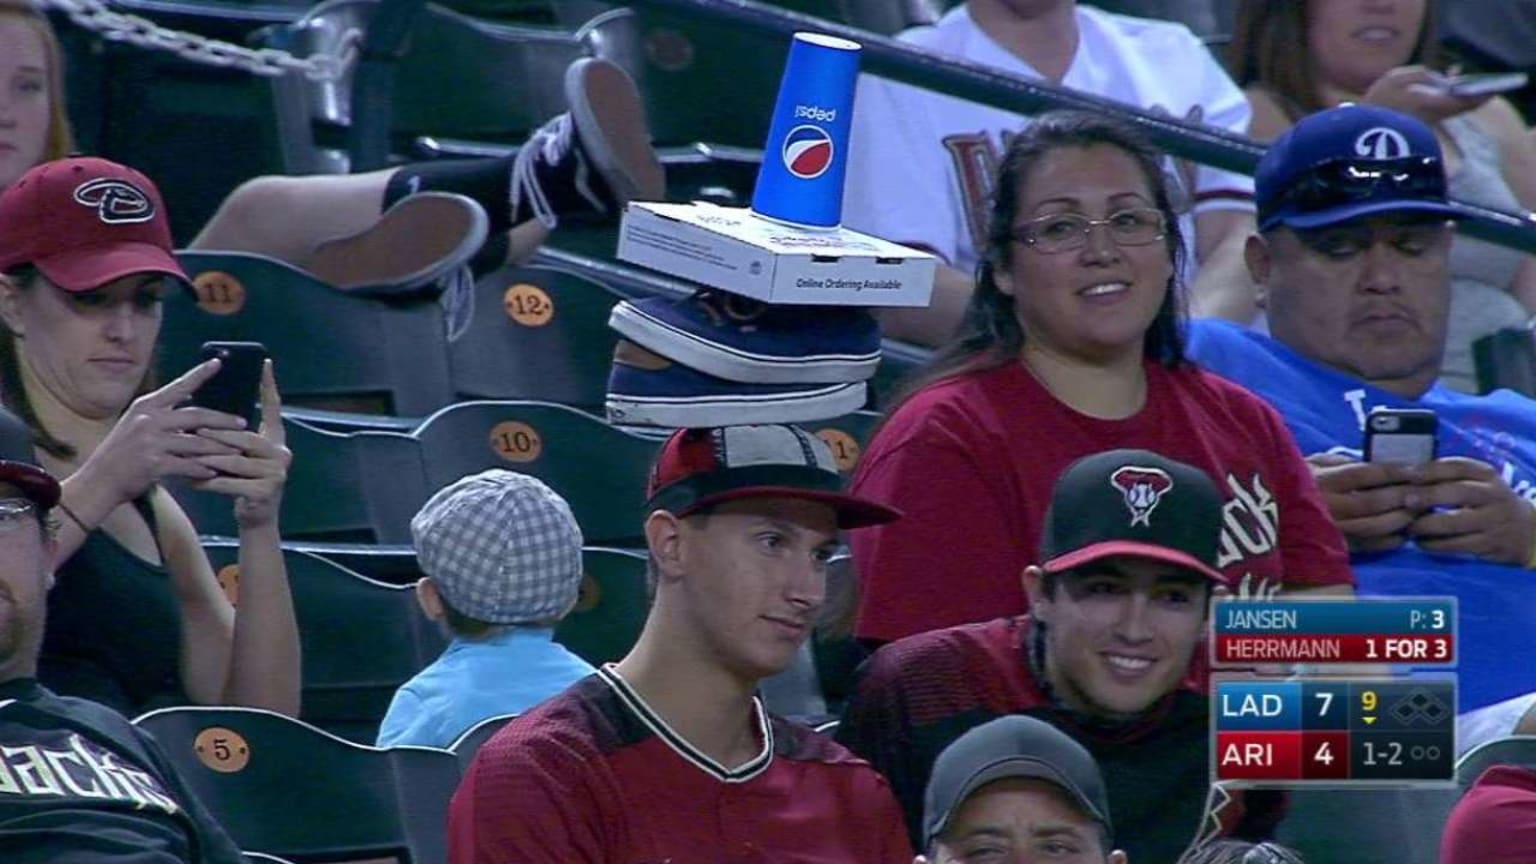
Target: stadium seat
263 858
458 78
898 362
846 436
361 639
366 486
687 68
1367 826
326 345
1513 750
837 653
611 608
536 333
469 743
283 787
1506 360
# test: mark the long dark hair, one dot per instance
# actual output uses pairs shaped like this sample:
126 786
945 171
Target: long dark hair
1269 48
992 336
13 392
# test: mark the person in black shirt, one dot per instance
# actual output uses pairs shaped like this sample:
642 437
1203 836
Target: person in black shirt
78 782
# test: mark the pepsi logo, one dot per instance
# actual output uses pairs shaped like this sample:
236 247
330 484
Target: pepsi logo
116 202
807 152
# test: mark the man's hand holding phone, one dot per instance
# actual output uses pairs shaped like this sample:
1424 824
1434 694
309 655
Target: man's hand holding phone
1469 509
1372 503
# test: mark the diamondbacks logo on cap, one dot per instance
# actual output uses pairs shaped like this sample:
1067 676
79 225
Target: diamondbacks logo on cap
116 202
1382 143
1142 488
807 152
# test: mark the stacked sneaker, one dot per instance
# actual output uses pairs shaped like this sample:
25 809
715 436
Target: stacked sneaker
716 358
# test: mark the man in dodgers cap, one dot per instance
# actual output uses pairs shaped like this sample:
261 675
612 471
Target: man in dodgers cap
1353 262
669 755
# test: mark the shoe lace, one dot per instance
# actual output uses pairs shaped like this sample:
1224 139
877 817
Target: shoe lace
457 301
551 141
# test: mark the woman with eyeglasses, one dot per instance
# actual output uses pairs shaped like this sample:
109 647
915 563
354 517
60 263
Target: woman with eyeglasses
1293 58
1073 345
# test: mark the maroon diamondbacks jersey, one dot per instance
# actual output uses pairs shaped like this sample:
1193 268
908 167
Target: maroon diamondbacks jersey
594 776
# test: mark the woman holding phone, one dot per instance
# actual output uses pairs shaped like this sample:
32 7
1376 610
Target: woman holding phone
1293 58
136 619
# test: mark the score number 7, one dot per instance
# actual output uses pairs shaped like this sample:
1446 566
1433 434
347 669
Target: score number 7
1327 700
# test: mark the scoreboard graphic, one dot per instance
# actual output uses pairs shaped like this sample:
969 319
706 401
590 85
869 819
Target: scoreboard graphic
1417 633
1394 731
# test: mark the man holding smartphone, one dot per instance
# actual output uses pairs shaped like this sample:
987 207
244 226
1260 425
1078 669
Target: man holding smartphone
1352 262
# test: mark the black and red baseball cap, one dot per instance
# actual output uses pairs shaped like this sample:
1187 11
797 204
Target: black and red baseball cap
18 463
701 467
84 222
1133 503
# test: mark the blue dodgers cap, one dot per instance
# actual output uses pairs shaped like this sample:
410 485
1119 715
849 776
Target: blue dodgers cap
1347 162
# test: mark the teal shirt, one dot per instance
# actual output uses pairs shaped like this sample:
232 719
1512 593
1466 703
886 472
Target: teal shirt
476 679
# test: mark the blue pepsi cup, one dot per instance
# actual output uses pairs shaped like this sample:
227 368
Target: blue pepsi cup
806 157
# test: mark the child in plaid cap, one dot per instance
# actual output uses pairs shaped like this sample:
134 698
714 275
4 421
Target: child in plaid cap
502 557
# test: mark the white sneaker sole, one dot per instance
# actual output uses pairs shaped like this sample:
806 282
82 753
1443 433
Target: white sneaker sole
734 364
680 412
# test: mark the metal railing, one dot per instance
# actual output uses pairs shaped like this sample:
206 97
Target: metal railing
899 61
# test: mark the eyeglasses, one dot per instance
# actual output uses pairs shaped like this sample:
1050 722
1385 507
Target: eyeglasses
14 513
1063 232
1346 181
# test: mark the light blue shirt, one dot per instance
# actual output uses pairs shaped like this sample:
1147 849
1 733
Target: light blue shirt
476 679
1326 409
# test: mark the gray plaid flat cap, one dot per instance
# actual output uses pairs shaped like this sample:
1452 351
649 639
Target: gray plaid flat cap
501 546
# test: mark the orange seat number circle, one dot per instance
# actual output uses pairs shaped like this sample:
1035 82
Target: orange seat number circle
222 750
218 293
589 595
229 580
516 442
528 305
844 449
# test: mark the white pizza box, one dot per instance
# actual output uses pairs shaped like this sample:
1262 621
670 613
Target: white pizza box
734 250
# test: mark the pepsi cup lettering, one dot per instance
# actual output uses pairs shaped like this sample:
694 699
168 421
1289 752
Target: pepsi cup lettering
804 160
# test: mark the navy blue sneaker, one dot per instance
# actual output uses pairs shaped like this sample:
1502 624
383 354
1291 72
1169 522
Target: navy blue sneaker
740 339
646 389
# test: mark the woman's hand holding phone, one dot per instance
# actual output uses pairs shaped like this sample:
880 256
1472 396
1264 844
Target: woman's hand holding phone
253 468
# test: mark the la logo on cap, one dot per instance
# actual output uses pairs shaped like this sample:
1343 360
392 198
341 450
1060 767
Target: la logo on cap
1142 489
116 202
1382 143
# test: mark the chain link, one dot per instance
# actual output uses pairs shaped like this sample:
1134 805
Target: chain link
321 67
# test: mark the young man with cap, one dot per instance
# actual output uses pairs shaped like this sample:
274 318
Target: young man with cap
669 755
1109 652
502 556
1017 790
77 781
1352 259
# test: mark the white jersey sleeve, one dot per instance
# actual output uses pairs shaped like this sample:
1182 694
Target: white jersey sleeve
1223 106
898 184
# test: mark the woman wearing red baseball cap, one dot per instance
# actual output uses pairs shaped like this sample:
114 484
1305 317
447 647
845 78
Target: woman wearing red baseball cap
136 619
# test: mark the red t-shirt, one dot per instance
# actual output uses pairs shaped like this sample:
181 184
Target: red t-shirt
1495 821
972 460
594 776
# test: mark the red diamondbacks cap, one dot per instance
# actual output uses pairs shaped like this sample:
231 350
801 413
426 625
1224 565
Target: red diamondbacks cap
84 222
700 467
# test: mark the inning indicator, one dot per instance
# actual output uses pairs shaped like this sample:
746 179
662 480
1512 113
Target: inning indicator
1330 730
1407 632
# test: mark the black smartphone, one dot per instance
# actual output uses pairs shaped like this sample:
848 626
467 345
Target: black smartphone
1404 436
236 387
